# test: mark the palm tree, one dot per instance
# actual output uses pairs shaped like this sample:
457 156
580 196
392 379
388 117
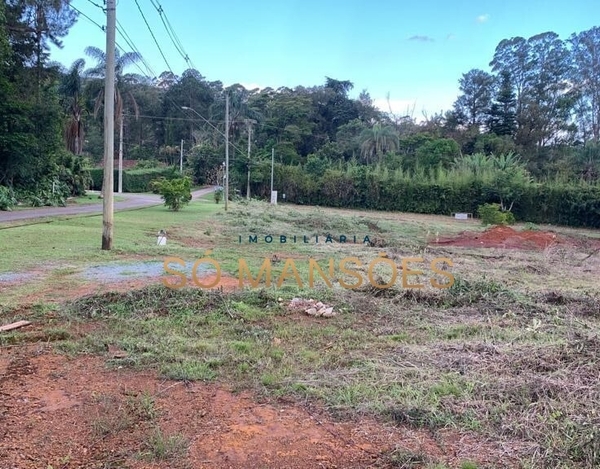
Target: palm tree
99 71
377 141
71 89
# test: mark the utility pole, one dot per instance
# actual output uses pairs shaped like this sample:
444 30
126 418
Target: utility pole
272 165
181 158
109 127
226 150
249 123
121 152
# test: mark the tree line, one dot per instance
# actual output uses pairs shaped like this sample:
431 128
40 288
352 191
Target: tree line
540 101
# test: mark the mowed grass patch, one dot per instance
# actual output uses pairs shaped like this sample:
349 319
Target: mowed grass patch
79 239
430 359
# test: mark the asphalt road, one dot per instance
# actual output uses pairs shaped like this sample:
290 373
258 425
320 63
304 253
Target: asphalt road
132 201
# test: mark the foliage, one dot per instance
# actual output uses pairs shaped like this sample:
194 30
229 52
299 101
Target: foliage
47 192
457 189
316 165
175 192
7 200
147 164
73 171
492 214
218 194
437 152
203 160
134 180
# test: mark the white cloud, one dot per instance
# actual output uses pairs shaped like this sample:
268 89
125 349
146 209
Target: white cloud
483 18
449 37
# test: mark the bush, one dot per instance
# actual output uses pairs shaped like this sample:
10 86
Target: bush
45 193
175 192
218 195
491 214
443 193
7 200
73 171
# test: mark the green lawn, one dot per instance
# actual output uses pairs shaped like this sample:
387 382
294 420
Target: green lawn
93 199
79 239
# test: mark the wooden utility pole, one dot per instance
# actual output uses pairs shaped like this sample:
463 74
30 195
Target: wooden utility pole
249 123
272 166
226 150
181 158
109 127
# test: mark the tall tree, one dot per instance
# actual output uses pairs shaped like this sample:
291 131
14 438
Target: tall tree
503 113
549 100
474 104
71 89
513 56
35 25
99 71
585 49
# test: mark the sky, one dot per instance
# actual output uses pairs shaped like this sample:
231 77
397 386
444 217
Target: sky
412 51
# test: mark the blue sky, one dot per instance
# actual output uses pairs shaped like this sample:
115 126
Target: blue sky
416 51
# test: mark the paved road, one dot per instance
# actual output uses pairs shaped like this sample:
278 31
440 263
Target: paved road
132 201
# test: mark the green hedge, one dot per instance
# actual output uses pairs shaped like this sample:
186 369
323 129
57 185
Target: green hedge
134 180
570 205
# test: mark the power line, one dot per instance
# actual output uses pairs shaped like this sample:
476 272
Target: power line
171 33
124 33
134 48
118 45
153 37
97 5
103 28
127 40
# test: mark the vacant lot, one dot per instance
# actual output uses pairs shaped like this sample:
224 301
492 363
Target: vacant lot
117 370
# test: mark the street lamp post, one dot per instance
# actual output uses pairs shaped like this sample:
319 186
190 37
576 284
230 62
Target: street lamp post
226 176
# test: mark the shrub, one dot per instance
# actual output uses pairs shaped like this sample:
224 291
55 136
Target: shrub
218 195
7 201
146 164
46 192
175 192
491 214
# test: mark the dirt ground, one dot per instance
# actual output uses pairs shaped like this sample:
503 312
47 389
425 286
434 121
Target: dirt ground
509 238
58 411
53 406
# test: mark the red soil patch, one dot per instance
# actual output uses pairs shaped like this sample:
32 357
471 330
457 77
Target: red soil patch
505 237
52 408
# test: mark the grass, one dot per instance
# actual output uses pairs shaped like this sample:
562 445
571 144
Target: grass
508 353
159 446
530 385
92 198
78 239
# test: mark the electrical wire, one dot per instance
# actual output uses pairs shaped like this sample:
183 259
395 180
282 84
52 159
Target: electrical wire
153 36
171 33
103 28
130 43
